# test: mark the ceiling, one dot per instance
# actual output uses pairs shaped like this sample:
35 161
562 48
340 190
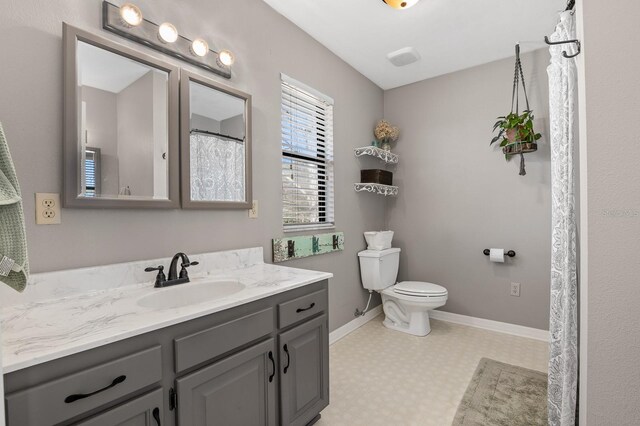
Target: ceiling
449 35
105 70
213 104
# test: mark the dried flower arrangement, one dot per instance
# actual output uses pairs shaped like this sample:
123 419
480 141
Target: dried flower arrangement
385 132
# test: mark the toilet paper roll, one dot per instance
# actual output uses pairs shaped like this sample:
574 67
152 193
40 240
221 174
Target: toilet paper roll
496 255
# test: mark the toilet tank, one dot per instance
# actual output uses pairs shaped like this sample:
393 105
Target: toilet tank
379 268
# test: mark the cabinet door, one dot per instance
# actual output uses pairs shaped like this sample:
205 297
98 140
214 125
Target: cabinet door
144 411
238 390
304 372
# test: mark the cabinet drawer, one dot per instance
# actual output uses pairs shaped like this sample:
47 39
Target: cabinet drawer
146 410
205 345
70 396
303 307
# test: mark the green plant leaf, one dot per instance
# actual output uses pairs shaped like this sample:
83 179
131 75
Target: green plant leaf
494 140
537 136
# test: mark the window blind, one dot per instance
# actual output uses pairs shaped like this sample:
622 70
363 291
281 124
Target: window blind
90 174
307 158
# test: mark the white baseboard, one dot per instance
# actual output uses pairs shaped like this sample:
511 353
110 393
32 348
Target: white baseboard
501 327
351 326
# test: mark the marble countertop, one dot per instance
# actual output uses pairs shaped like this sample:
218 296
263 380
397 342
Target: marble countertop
43 330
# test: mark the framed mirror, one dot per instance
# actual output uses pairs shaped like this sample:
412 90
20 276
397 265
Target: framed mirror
121 137
215 144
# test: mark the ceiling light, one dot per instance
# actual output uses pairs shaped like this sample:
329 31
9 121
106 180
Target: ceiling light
400 4
167 33
199 47
226 58
131 14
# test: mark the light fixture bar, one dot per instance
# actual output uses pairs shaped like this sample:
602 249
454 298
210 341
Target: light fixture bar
146 33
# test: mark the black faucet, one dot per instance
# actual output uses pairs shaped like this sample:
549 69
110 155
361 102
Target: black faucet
174 278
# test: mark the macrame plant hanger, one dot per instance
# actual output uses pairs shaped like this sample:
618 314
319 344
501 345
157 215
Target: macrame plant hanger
515 99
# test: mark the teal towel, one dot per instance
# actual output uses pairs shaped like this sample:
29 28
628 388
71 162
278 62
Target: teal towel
14 264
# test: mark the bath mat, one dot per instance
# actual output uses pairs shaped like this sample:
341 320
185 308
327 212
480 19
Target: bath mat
503 395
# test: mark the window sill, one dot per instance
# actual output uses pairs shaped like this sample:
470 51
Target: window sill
303 228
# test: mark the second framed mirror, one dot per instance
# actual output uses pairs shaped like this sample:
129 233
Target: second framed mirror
215 144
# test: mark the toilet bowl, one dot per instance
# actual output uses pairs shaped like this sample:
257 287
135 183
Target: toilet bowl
409 311
406 305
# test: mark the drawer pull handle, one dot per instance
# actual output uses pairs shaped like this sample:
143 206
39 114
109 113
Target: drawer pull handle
156 415
273 364
75 397
305 309
286 351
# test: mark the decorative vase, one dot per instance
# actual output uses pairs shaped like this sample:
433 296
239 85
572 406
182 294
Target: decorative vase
386 145
375 143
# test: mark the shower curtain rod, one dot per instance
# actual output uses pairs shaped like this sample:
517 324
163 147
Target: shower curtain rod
206 132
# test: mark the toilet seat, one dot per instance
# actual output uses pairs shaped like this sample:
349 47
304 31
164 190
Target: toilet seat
419 289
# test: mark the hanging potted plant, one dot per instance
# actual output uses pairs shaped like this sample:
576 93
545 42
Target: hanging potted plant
516 133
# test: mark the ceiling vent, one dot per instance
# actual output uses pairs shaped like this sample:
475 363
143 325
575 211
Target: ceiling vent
404 56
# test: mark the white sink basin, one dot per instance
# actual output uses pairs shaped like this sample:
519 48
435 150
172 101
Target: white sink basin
190 294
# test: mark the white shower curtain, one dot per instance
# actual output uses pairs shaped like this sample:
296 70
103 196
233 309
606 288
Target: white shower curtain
1 383
563 326
217 168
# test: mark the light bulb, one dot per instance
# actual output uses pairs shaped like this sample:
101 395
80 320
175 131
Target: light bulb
131 14
401 4
167 33
199 47
226 57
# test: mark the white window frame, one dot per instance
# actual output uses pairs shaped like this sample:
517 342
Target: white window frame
328 194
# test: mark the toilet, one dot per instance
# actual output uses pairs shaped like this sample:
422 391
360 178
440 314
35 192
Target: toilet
406 304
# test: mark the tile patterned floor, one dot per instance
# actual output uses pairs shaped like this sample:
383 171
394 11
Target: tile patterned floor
384 377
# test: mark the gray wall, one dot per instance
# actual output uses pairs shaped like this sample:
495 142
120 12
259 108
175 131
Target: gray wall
201 122
233 126
263 42
136 136
102 132
610 148
459 196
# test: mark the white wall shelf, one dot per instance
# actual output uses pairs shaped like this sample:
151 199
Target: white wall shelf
386 156
376 188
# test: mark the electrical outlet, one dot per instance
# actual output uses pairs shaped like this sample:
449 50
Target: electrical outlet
515 289
47 209
253 211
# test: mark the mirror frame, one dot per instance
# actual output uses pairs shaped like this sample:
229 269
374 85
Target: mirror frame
185 149
71 171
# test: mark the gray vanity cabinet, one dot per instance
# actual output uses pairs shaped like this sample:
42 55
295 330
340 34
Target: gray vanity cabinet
264 363
304 378
148 410
237 391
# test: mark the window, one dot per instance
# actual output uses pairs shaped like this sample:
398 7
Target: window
91 178
307 157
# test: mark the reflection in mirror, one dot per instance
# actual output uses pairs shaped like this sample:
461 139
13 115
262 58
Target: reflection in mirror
217 143
123 126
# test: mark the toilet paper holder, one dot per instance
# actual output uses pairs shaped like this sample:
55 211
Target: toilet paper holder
509 253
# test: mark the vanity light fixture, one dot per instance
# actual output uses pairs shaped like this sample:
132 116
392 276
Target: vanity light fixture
400 4
226 57
199 47
131 14
167 33
127 21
